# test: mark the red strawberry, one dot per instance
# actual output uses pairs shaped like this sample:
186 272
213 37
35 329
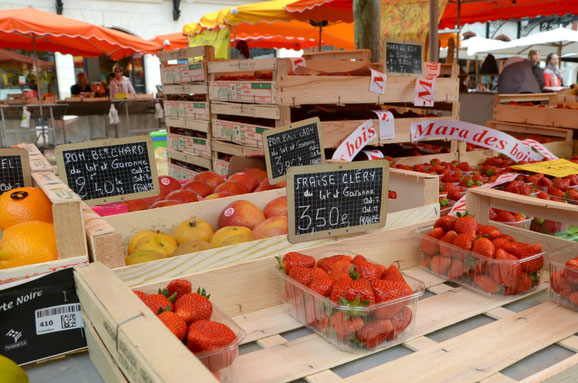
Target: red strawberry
295 259
179 287
465 241
430 246
545 182
503 243
449 237
484 247
360 291
572 270
322 284
510 268
204 335
194 306
369 271
440 264
359 259
543 195
344 325
158 303
560 284
454 194
386 291
301 274
466 224
400 321
489 231
393 274
174 323
457 269
574 298
327 263
446 223
487 284
493 214
524 284
505 216
140 294
374 333
339 288
341 267
506 237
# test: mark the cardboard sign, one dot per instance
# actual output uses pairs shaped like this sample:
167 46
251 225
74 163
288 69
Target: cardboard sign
475 134
386 124
293 145
14 169
460 206
41 318
106 171
355 142
334 199
377 83
425 86
403 58
555 168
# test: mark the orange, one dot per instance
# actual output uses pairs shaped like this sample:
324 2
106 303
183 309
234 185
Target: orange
27 243
24 204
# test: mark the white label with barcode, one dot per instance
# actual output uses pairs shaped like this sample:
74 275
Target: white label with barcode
58 318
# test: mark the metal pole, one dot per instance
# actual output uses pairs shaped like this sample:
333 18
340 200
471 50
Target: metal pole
433 30
235 42
38 87
458 32
320 29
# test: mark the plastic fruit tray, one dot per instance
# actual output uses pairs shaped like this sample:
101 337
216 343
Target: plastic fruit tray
332 320
487 276
547 226
525 224
563 278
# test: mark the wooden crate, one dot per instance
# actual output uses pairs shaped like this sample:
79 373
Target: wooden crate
293 90
478 354
186 110
184 166
68 227
38 163
198 145
549 116
223 151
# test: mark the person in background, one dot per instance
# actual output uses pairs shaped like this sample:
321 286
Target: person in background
552 73
82 87
119 84
534 58
518 77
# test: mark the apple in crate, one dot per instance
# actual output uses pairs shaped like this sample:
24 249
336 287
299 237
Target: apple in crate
271 227
260 174
163 203
203 189
275 208
265 185
209 177
233 188
137 204
217 195
241 213
183 196
168 184
249 180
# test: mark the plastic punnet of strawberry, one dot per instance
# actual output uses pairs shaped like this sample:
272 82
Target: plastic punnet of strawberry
347 314
564 277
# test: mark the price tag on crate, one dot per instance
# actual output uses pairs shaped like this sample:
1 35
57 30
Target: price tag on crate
335 199
41 318
403 58
293 145
106 171
14 169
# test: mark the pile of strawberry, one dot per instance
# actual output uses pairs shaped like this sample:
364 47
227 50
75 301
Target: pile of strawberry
564 282
361 315
481 256
505 216
188 314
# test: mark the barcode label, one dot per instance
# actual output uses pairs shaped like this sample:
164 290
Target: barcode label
58 318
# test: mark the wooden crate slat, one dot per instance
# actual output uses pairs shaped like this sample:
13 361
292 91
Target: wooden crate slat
100 357
263 323
181 54
564 371
537 116
326 376
184 123
185 89
498 378
226 66
189 158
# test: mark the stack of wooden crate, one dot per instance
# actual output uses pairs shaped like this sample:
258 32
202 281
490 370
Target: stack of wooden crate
251 96
187 110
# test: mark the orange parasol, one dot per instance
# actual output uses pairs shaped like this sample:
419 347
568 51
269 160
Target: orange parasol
318 10
172 41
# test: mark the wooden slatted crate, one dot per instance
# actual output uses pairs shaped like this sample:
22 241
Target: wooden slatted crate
38 163
223 151
184 165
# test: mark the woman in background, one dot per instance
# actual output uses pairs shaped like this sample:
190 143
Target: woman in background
552 73
119 84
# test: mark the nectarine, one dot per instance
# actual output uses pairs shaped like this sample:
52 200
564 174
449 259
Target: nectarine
249 180
271 227
233 188
183 196
203 189
210 178
276 207
241 213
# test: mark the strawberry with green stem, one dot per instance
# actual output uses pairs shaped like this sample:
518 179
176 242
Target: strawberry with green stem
174 323
192 307
294 258
159 303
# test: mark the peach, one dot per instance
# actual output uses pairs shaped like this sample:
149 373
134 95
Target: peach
217 195
260 174
137 204
276 207
203 189
168 184
151 200
233 188
271 227
265 185
163 203
210 178
241 213
183 196
249 180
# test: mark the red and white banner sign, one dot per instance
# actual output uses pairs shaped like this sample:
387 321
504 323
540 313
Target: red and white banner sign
425 86
386 124
460 206
355 142
297 62
373 154
475 134
377 84
539 147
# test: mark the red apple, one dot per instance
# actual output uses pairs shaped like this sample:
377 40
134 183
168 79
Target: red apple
260 174
168 184
163 203
276 207
203 189
232 188
217 195
151 200
249 180
281 184
270 227
210 178
265 185
137 204
241 213
183 196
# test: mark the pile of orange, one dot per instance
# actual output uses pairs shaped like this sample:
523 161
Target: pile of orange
27 230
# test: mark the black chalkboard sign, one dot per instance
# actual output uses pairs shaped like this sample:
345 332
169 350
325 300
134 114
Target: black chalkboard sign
293 145
403 57
334 199
107 171
14 169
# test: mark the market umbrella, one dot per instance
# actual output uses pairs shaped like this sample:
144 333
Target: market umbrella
171 41
330 10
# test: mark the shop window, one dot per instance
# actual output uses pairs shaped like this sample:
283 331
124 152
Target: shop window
17 74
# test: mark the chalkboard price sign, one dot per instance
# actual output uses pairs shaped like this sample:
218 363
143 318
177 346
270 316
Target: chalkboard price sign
403 57
293 145
107 171
14 169
335 199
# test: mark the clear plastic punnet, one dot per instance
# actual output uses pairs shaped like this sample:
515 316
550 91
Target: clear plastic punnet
564 277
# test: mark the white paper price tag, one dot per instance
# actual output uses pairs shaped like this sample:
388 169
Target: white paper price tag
355 142
425 86
386 124
58 318
377 84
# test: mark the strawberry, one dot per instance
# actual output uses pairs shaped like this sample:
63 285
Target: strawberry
446 223
179 287
484 247
505 216
369 271
400 321
489 231
457 269
510 268
204 335
327 263
493 214
544 181
465 241
393 274
466 224
543 195
374 333
572 270
487 284
194 306
386 291
322 284
295 259
533 265
158 303
343 325
574 298
174 323
359 259
560 284
140 294
430 246
507 237
449 237
440 264
503 243
339 288
360 290
301 274
524 284
454 194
